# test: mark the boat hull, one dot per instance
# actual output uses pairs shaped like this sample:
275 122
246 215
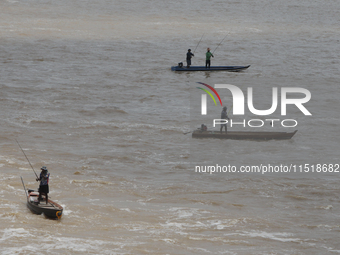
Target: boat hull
51 209
213 68
243 135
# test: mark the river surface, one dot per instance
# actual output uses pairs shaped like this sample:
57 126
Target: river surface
87 90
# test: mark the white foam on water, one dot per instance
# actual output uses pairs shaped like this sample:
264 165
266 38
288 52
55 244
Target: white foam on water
10 233
282 237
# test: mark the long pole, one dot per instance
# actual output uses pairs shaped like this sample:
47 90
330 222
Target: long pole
198 44
220 43
27 159
24 186
230 109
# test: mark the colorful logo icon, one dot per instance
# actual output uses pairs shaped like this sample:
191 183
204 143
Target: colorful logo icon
204 97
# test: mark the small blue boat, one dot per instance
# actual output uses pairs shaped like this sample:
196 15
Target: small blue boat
212 68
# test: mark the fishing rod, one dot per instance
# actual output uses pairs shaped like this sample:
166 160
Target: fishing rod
27 159
220 43
229 110
198 44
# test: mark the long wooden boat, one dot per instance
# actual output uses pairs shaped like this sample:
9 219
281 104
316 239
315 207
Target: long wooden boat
212 68
50 209
244 135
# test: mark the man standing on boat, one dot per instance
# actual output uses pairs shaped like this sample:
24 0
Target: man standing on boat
189 56
208 55
224 116
43 187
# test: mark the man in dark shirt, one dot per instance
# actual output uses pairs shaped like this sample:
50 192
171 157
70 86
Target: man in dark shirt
189 56
224 116
43 187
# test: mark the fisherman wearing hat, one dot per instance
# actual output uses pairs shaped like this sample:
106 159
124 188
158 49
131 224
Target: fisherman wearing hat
43 187
189 56
224 116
